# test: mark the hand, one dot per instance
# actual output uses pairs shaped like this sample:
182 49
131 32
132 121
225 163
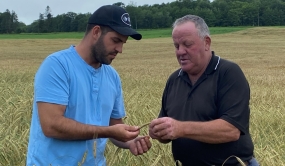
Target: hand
140 145
165 129
123 132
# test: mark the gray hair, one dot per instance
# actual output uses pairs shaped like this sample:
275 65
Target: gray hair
199 22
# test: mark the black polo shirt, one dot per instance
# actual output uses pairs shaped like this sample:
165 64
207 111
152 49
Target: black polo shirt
222 92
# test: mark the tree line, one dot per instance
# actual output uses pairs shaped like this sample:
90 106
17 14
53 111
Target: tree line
218 13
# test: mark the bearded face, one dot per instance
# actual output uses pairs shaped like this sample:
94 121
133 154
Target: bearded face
108 45
99 52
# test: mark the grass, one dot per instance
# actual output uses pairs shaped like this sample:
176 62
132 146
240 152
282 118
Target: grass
147 34
144 67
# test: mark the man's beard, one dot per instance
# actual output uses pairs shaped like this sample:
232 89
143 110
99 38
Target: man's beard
99 53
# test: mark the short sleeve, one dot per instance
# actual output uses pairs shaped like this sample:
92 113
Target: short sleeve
51 82
119 107
233 98
163 112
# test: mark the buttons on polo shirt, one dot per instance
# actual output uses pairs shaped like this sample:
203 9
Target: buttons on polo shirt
96 78
95 83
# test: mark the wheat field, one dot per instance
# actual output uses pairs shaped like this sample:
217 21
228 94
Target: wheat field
144 68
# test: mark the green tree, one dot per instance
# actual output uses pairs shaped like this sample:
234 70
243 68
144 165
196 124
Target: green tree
41 23
48 19
82 21
121 4
215 13
133 11
6 22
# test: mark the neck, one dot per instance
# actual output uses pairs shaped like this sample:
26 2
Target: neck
84 50
194 77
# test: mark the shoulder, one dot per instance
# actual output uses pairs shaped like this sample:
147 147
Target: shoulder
61 54
228 66
56 62
230 71
61 58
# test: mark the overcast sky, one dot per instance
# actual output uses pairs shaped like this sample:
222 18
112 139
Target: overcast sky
29 10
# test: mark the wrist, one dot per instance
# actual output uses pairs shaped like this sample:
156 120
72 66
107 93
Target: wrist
128 144
120 144
109 132
164 141
187 129
104 132
181 129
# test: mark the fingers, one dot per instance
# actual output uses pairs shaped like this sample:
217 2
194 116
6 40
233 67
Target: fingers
160 123
132 135
132 128
142 145
139 147
161 128
145 144
148 143
134 150
152 134
124 133
156 122
132 131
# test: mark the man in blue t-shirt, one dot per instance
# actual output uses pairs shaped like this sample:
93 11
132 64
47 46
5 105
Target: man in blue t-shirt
78 99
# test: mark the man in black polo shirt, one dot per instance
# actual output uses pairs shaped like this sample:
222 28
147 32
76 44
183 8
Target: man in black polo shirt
205 105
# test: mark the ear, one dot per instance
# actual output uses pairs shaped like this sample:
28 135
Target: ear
96 32
207 42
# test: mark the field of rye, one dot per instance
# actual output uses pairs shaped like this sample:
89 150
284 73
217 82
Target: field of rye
144 68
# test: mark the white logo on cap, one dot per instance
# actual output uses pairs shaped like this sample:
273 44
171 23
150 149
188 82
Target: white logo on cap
126 19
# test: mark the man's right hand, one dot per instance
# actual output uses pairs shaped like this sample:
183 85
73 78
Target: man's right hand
123 132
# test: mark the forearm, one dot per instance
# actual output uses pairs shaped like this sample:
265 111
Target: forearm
214 132
68 129
120 144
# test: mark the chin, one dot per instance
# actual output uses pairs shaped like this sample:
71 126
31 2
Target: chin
185 68
109 62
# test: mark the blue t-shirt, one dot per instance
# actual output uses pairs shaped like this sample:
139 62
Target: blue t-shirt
91 96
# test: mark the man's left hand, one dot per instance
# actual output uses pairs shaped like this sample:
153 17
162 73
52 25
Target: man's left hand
140 145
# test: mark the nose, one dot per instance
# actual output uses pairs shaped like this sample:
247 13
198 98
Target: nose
180 51
119 48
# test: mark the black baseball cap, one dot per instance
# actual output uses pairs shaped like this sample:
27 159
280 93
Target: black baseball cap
115 17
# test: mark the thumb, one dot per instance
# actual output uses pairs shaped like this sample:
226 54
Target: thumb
132 128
